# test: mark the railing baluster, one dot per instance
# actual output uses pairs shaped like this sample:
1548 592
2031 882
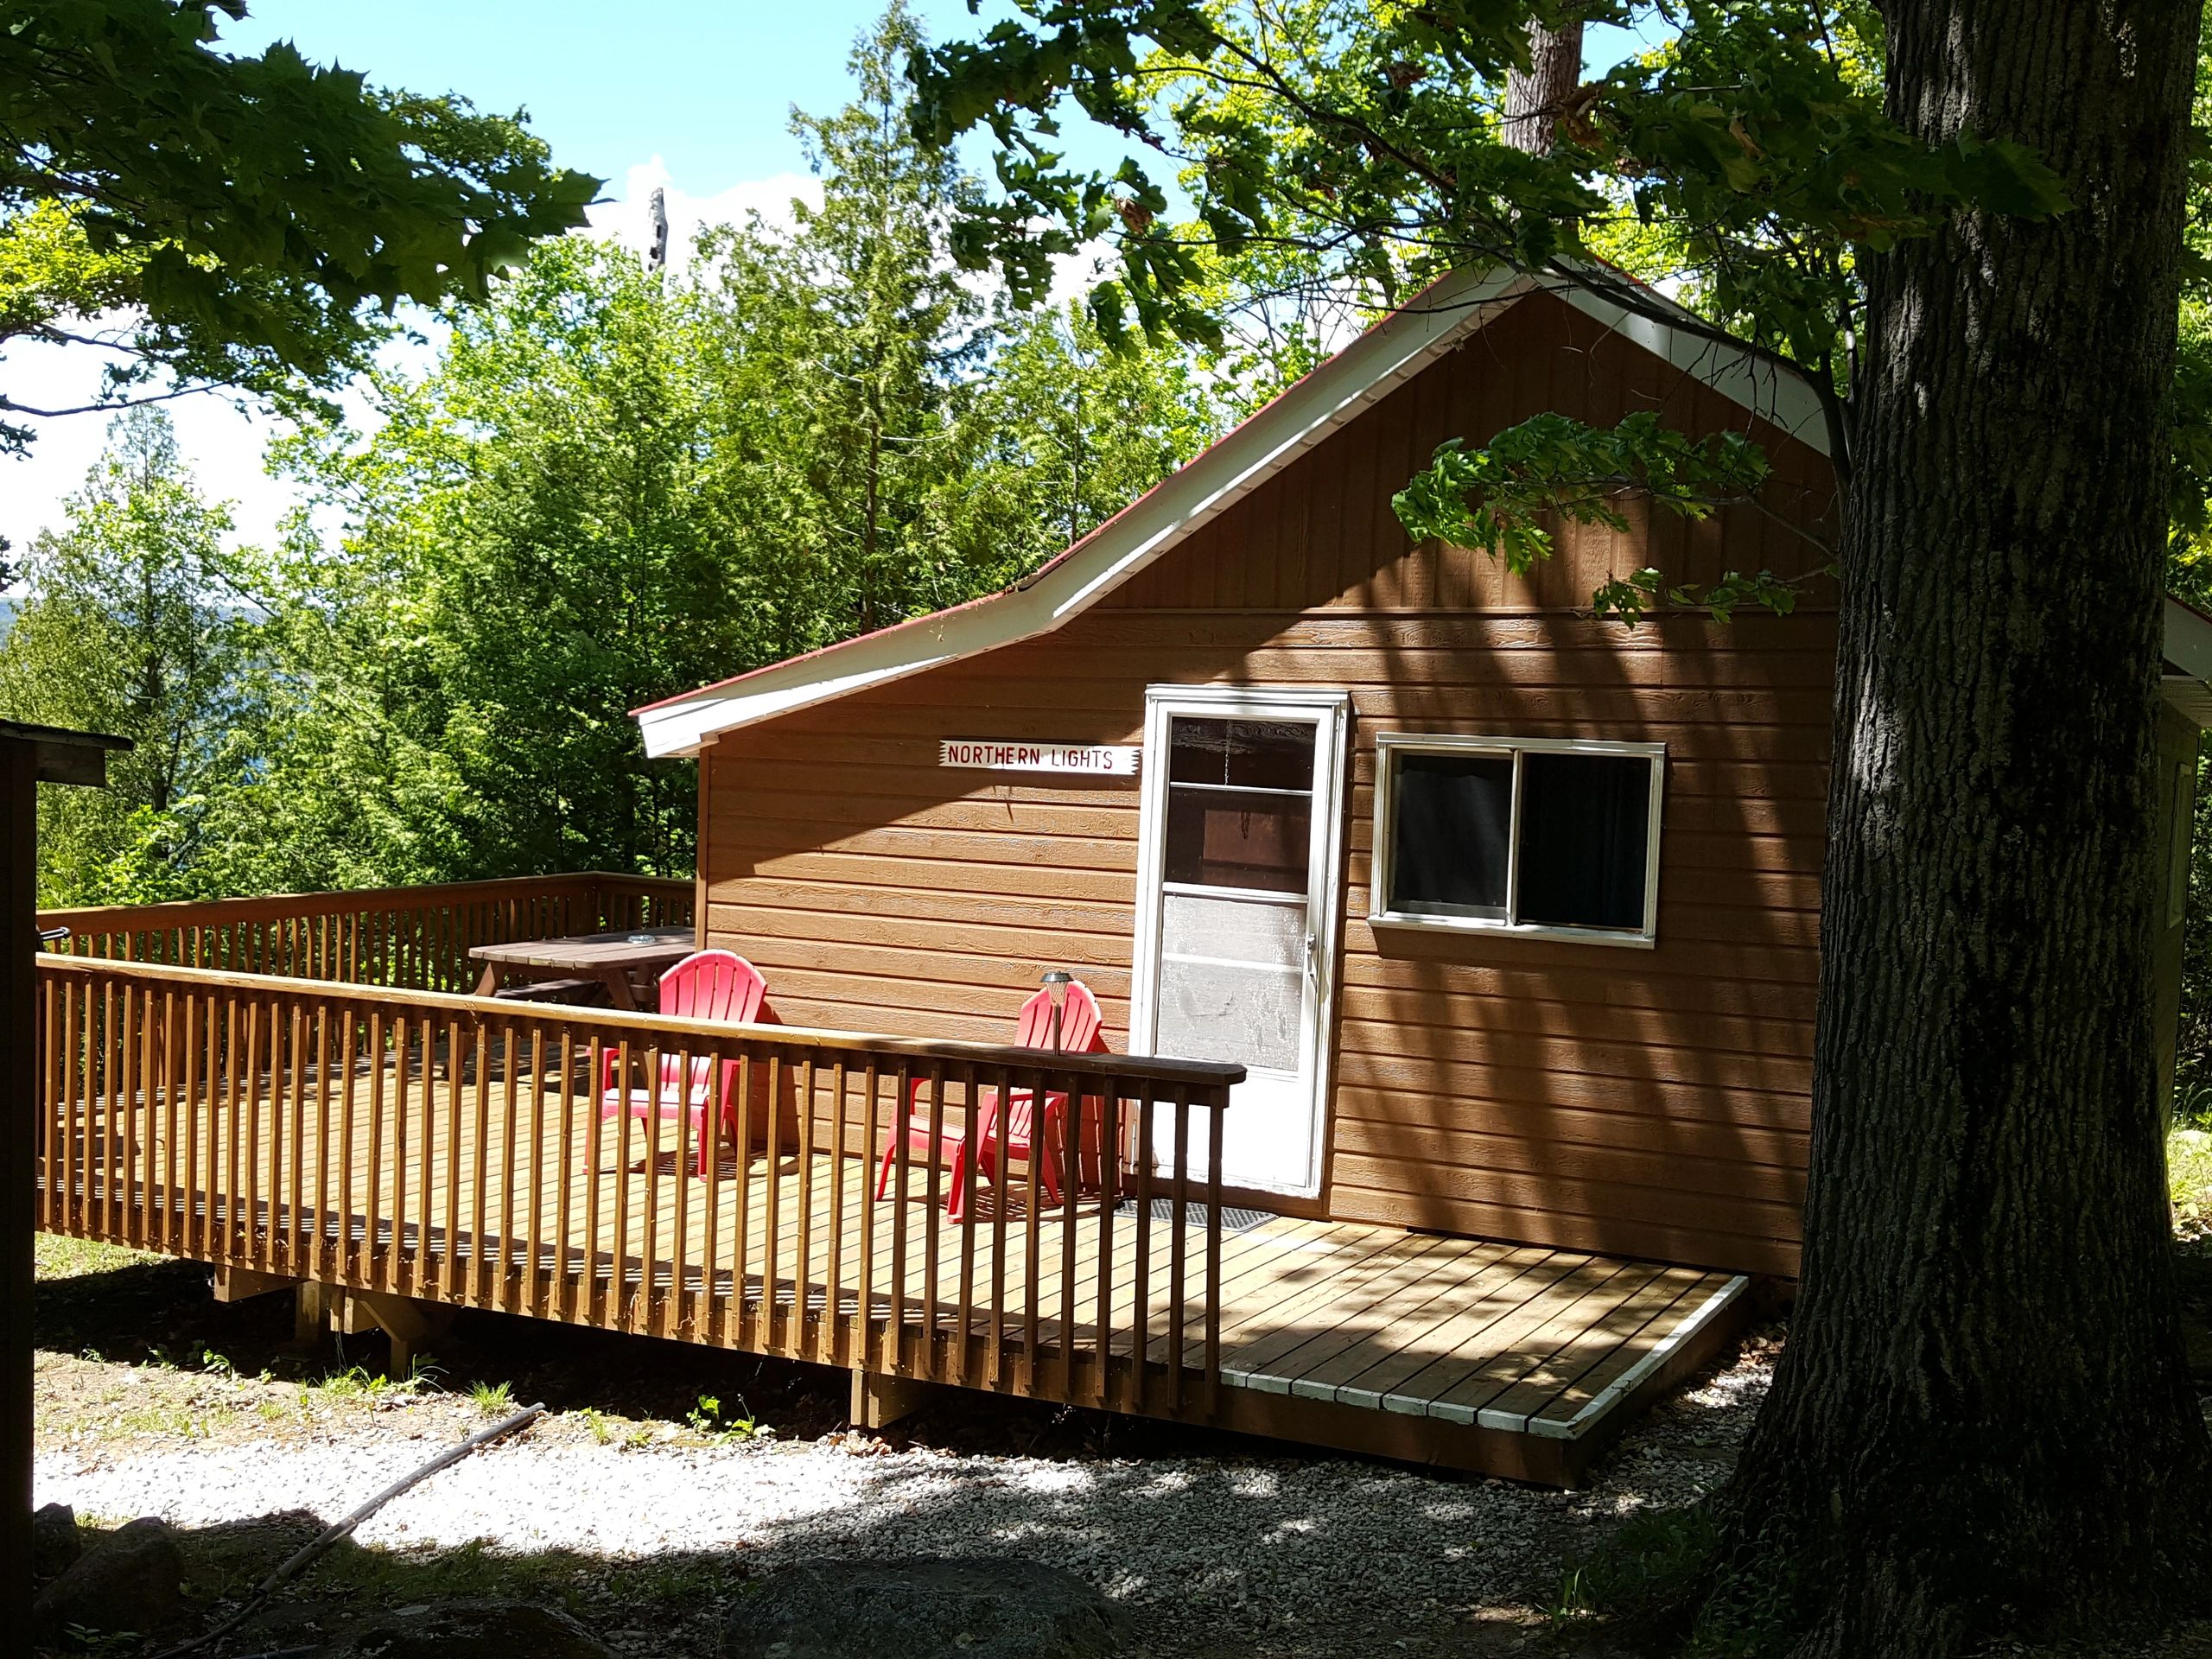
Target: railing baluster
647 1315
399 1256
437 1267
930 1214
269 1092
49 1096
1030 1243
369 1265
833 1278
107 1098
295 1236
964 1308
747 1326
1177 1245
320 1252
1001 1092
153 1075
507 1284
130 1038
711 1320
902 1112
807 1339
479 1289
778 1326
1109 1172
1070 1178
564 1286
868 1351
246 1228
74 1147
1215 1102
594 1297
619 1274
1140 1388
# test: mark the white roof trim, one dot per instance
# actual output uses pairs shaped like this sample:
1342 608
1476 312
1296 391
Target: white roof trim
1324 399
1370 366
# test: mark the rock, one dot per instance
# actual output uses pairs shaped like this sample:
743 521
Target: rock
923 1610
469 1629
131 1582
54 1543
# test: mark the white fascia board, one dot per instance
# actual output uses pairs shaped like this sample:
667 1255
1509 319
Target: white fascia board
1363 372
682 728
1777 394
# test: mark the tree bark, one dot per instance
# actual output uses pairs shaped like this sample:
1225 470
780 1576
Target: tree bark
1984 1421
1537 95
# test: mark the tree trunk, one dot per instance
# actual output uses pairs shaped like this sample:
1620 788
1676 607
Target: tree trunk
1535 97
1984 1420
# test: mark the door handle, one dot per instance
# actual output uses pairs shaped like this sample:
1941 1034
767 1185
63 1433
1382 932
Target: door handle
1313 957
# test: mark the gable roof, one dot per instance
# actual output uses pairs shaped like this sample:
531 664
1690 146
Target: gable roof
1441 318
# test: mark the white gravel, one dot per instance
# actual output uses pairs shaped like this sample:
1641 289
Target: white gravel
1309 1542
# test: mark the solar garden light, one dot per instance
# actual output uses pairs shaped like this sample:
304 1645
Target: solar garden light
1056 982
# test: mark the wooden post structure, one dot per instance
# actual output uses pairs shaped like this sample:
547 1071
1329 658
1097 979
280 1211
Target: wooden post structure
29 755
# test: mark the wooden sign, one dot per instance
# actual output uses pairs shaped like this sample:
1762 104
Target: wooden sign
1099 760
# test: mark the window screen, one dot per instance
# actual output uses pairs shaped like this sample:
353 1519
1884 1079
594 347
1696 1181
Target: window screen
1239 803
1516 832
1585 820
1450 833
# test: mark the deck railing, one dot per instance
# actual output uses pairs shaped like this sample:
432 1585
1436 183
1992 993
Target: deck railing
453 1148
415 938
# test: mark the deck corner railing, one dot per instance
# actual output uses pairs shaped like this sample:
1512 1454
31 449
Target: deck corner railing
414 937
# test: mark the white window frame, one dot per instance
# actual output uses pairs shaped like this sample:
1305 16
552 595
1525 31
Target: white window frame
1389 745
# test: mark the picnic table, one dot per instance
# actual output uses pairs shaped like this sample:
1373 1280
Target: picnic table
608 958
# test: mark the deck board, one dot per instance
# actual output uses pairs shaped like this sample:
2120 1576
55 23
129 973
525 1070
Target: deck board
615 1229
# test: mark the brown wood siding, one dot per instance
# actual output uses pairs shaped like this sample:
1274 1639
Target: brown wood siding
1578 1095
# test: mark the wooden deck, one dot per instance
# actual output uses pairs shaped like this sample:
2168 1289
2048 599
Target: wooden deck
359 1155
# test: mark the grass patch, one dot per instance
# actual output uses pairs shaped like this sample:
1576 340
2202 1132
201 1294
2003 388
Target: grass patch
1656 1575
357 1383
1649 1562
2188 1179
58 1258
493 1399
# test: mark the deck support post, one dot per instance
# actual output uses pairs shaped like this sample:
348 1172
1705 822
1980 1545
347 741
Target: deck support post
408 1324
880 1401
314 1305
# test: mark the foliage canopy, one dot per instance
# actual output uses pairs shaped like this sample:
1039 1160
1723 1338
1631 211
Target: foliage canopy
249 217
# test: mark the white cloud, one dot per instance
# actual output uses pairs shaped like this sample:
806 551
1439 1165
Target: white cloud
223 444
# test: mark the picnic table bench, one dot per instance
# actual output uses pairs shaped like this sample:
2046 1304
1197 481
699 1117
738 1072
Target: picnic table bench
559 970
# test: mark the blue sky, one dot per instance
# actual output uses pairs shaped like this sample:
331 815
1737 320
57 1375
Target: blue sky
706 86
693 96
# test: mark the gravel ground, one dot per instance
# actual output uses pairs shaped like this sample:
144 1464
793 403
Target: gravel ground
631 1508
1296 1554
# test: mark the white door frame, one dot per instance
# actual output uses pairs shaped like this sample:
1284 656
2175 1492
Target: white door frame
1330 712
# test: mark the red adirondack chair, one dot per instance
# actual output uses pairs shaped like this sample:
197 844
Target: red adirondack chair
706 985
1079 1034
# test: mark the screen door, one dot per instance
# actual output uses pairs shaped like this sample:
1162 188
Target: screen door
1236 919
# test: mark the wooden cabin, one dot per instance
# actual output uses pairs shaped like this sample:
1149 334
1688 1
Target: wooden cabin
1456 954
1511 914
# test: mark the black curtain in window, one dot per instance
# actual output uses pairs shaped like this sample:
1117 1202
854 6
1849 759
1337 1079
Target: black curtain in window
1586 822
1450 823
